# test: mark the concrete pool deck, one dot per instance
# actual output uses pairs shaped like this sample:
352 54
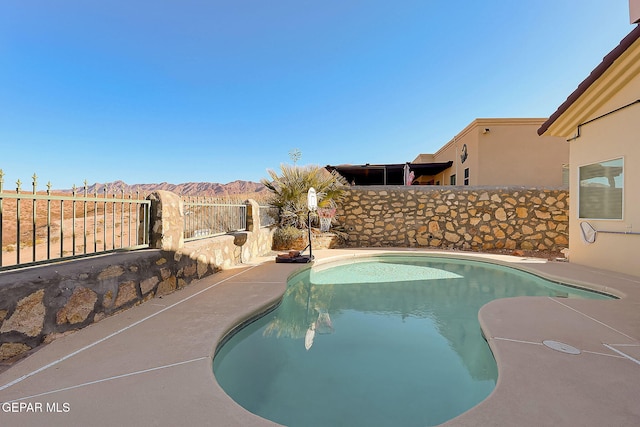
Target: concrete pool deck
151 365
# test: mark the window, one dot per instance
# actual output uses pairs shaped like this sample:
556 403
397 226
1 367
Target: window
600 190
452 179
565 175
466 176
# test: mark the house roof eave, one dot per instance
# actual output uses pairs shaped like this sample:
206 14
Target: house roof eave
596 74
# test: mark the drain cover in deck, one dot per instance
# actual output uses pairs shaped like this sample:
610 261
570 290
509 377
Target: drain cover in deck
560 346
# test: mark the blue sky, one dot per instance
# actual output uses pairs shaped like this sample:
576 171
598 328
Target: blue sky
207 90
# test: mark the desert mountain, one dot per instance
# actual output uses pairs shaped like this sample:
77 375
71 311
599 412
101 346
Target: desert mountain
212 189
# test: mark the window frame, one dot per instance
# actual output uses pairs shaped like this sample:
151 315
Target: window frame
622 201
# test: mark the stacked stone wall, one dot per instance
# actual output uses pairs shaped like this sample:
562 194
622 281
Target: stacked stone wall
469 218
41 303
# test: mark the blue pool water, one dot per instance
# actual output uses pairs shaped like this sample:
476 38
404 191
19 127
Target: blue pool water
388 341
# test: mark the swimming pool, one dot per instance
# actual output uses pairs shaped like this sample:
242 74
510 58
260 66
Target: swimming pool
391 340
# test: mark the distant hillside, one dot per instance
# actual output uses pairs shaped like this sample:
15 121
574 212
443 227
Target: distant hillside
211 189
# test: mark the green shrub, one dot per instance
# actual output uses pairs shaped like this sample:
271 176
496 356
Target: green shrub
289 192
289 238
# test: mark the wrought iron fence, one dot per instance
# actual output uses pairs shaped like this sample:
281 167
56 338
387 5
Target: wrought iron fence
208 217
37 227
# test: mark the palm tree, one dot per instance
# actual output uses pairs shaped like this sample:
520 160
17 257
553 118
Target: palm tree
289 191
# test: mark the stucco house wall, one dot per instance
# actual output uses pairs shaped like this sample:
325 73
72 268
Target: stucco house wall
452 151
606 139
512 153
503 152
601 119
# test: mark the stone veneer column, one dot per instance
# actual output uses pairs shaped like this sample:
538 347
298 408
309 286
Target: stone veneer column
253 215
167 221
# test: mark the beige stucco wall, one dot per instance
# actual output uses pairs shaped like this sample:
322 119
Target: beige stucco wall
452 152
634 11
509 153
612 136
512 153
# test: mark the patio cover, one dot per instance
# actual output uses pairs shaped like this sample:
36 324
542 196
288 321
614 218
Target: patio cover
389 174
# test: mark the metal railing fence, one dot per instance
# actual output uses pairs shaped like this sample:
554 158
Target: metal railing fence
205 217
38 227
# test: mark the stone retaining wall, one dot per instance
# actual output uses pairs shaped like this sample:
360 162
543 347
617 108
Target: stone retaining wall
39 304
468 218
